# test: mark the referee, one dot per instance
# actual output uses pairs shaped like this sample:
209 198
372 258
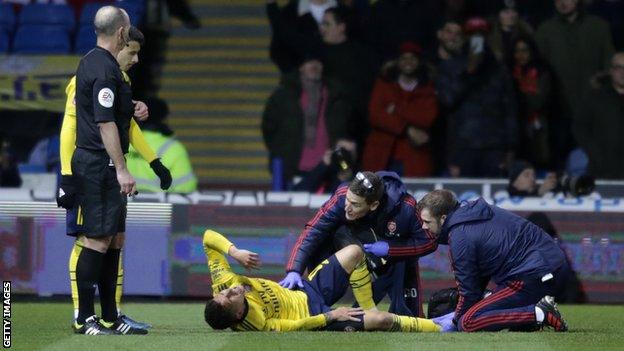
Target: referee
126 58
104 109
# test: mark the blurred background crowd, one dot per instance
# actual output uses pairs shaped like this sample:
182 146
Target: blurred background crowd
522 89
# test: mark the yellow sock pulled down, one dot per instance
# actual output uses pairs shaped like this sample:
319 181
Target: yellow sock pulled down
120 281
413 324
73 263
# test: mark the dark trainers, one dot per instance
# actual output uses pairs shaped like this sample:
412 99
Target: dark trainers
135 324
552 316
92 326
123 328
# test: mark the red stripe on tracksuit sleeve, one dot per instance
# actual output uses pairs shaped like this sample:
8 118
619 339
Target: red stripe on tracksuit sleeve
328 205
412 250
420 250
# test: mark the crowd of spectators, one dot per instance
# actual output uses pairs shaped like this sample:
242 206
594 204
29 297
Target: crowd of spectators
460 88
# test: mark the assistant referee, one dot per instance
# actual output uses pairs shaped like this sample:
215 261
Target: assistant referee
104 109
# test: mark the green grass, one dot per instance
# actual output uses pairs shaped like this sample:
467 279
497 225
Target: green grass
180 326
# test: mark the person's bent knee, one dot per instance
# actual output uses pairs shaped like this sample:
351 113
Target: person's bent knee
350 257
355 252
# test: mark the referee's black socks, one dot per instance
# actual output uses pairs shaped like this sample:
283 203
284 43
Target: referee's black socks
86 264
107 285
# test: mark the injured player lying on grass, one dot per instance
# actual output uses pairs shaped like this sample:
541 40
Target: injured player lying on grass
249 304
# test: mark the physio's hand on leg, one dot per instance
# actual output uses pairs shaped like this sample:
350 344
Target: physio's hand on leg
446 322
292 281
378 248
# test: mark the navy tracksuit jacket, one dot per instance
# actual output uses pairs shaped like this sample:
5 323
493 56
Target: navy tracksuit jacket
489 243
396 221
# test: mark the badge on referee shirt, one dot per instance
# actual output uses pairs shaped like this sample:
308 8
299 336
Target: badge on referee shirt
106 97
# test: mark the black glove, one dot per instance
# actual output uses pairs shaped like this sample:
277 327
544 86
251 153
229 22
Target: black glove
67 192
162 172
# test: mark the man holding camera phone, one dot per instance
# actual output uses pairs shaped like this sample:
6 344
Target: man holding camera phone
336 167
478 96
306 115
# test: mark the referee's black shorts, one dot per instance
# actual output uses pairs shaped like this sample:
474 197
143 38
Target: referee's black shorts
103 208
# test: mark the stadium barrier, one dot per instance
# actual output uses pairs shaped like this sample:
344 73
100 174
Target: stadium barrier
164 254
35 82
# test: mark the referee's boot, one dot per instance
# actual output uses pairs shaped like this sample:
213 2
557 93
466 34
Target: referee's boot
133 323
552 316
92 326
123 328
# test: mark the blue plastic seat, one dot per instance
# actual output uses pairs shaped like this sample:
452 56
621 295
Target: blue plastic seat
89 10
85 40
135 9
7 17
29 40
4 41
30 168
48 14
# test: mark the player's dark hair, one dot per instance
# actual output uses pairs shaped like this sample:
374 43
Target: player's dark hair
134 34
217 316
367 185
438 202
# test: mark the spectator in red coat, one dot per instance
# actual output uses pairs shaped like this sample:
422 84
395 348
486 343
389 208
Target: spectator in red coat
403 107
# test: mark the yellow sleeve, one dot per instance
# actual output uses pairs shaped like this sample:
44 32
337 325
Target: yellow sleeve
309 323
68 129
139 143
126 77
257 321
136 135
215 245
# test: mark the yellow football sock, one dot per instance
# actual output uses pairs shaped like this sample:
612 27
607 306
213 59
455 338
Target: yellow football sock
120 279
413 324
360 281
73 262
106 324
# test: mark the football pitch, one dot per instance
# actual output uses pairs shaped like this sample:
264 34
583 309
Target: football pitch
180 326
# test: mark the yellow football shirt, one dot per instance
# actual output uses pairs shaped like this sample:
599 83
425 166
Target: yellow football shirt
271 307
68 131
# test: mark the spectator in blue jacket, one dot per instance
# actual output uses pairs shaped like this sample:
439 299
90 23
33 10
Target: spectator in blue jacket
487 244
374 211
